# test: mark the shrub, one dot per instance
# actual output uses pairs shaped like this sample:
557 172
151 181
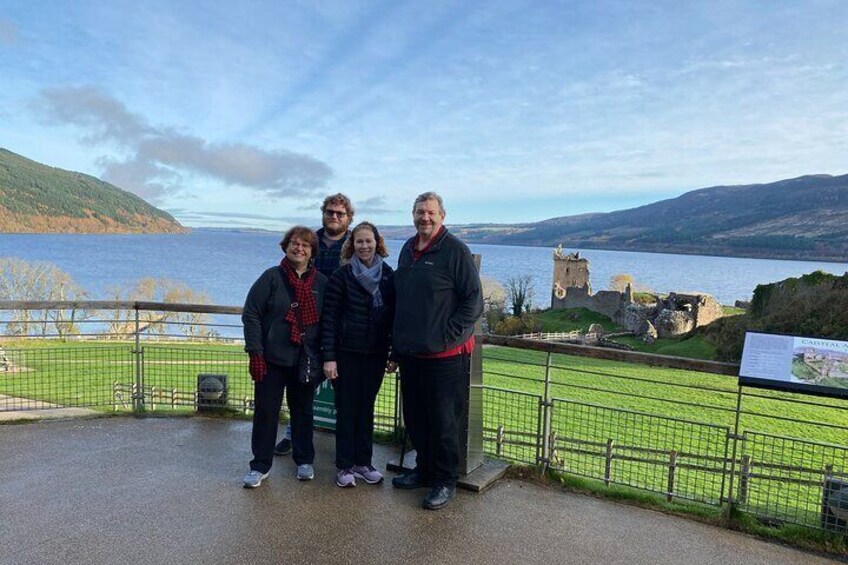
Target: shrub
514 325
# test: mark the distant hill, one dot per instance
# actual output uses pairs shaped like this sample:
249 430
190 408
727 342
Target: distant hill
35 198
801 218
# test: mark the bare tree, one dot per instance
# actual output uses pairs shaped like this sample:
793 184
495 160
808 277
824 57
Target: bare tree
191 324
620 281
494 301
22 280
521 293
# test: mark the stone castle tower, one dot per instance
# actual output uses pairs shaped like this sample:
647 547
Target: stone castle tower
571 276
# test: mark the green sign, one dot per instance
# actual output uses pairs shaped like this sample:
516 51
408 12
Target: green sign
324 406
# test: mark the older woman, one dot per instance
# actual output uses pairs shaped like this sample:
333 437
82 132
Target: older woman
281 313
358 314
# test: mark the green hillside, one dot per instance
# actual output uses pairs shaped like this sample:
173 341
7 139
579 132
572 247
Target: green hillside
38 198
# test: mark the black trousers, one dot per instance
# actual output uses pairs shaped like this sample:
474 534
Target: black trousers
360 378
435 393
268 398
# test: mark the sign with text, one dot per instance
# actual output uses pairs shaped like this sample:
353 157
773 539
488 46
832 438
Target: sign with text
794 363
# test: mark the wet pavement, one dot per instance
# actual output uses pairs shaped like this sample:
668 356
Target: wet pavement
168 490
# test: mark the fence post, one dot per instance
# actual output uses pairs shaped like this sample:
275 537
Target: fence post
546 418
672 466
608 461
553 444
138 396
744 470
499 441
735 438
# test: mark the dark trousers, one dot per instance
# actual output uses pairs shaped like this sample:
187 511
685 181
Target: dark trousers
435 392
360 378
268 398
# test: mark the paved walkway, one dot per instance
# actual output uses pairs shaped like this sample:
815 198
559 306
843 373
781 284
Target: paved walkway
17 408
127 490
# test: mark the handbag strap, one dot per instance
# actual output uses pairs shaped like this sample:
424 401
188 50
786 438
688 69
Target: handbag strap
296 307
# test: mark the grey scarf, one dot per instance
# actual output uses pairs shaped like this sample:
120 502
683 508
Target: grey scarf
369 277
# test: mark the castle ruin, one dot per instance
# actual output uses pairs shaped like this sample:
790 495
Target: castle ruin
675 314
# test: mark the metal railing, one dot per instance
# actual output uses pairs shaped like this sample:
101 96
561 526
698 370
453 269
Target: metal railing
681 428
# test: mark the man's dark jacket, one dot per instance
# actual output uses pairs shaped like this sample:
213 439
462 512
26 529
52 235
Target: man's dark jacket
265 329
438 297
349 321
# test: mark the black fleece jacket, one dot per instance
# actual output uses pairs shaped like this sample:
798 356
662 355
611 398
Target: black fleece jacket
265 329
438 297
348 321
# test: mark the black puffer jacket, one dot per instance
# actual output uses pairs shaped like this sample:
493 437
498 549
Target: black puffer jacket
265 329
348 321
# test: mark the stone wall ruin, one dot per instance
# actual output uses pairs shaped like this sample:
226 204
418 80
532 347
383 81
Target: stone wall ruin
672 315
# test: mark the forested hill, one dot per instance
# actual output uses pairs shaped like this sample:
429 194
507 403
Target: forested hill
801 218
35 198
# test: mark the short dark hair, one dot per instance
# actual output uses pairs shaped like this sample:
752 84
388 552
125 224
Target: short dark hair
380 249
303 233
341 199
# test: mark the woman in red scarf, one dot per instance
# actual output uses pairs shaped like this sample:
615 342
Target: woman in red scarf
281 312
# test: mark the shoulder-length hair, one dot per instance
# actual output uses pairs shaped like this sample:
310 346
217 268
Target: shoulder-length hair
303 233
347 248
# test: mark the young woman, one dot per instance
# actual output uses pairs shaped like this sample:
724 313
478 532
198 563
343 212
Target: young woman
355 334
282 312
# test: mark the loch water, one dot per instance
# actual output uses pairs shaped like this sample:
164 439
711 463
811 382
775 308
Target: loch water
223 264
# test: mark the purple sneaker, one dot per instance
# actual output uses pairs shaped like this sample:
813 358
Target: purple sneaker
368 474
345 478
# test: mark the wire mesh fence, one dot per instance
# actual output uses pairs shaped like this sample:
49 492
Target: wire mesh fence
39 378
512 425
677 458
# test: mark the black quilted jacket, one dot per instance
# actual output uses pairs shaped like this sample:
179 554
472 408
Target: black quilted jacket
349 323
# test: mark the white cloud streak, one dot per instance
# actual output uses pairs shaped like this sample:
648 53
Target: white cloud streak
160 158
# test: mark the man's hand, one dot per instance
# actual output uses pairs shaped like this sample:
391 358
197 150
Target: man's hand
258 369
331 370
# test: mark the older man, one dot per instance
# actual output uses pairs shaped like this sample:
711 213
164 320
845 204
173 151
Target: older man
336 214
438 302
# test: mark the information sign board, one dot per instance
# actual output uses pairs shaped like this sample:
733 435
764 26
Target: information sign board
795 363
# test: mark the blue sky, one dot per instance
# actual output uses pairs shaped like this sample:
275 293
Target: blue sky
246 114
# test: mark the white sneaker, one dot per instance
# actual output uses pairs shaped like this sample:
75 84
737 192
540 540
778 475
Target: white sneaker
305 472
254 478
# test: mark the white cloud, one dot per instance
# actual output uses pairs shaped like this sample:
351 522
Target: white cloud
159 158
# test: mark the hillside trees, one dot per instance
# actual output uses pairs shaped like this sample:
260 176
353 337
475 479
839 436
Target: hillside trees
813 305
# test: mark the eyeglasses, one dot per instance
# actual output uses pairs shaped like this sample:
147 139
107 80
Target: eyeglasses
336 213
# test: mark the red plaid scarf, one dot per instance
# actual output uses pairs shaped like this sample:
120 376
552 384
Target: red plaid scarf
303 297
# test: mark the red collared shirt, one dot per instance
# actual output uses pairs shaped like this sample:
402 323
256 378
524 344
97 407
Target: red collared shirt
416 254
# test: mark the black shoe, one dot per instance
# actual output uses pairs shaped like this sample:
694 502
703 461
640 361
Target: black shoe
283 448
438 497
409 481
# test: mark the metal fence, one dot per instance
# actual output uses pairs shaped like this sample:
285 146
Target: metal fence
681 428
